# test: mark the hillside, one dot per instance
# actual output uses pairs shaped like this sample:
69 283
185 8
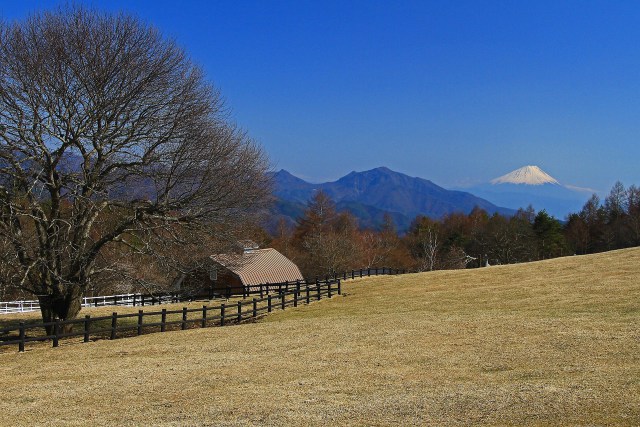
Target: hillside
369 194
555 342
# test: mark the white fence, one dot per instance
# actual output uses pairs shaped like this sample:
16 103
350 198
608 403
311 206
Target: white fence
19 306
34 305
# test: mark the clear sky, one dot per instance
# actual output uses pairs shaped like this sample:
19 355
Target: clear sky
456 92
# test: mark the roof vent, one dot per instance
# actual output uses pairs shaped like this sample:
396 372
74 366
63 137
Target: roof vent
248 246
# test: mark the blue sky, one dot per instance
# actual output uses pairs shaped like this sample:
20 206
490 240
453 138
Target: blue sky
456 92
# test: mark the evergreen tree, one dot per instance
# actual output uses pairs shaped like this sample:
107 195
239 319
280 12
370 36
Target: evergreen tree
548 230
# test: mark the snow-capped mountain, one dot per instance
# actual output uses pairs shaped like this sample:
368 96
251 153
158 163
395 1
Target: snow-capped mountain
530 185
530 175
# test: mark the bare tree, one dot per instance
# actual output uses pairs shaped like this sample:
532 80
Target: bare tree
429 245
110 137
426 243
374 248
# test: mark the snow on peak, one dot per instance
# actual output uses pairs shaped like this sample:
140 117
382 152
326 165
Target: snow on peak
531 175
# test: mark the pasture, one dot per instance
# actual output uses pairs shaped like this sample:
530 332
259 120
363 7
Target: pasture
547 343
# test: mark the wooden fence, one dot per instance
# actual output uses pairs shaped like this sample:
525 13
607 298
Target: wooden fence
124 300
134 300
266 288
133 324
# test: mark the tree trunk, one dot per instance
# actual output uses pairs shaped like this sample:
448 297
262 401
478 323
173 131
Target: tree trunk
60 306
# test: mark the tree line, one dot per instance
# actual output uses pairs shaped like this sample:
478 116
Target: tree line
324 241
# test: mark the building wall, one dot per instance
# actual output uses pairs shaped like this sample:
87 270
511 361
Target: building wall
199 283
227 278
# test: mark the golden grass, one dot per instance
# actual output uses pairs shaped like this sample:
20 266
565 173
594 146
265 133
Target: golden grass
547 343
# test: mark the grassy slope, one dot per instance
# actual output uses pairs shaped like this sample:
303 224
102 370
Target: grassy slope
547 343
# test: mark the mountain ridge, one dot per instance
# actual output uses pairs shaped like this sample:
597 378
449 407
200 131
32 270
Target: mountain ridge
381 190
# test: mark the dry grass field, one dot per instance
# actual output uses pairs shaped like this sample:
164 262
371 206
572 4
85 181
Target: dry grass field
548 343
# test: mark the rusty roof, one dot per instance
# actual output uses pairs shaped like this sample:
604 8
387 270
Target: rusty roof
260 266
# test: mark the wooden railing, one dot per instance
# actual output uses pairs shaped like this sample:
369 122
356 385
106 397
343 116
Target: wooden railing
144 322
139 299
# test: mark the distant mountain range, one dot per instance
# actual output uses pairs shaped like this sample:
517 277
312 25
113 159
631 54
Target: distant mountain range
371 194
530 185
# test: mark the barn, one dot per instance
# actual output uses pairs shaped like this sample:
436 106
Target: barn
232 272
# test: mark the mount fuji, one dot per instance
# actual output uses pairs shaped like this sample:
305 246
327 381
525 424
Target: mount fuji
530 185
528 175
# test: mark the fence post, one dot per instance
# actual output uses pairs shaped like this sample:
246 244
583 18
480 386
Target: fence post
222 306
269 303
87 324
308 290
56 329
134 300
261 293
114 325
353 274
283 300
140 314
183 325
298 286
22 335
344 276
318 289
329 289
204 316
295 298
239 311
163 320
255 307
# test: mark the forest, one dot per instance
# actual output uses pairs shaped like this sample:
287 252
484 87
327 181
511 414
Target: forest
325 241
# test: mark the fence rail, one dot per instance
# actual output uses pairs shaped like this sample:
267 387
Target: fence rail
139 299
133 324
19 306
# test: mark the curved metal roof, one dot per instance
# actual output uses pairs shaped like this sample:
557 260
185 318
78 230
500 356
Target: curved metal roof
260 266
